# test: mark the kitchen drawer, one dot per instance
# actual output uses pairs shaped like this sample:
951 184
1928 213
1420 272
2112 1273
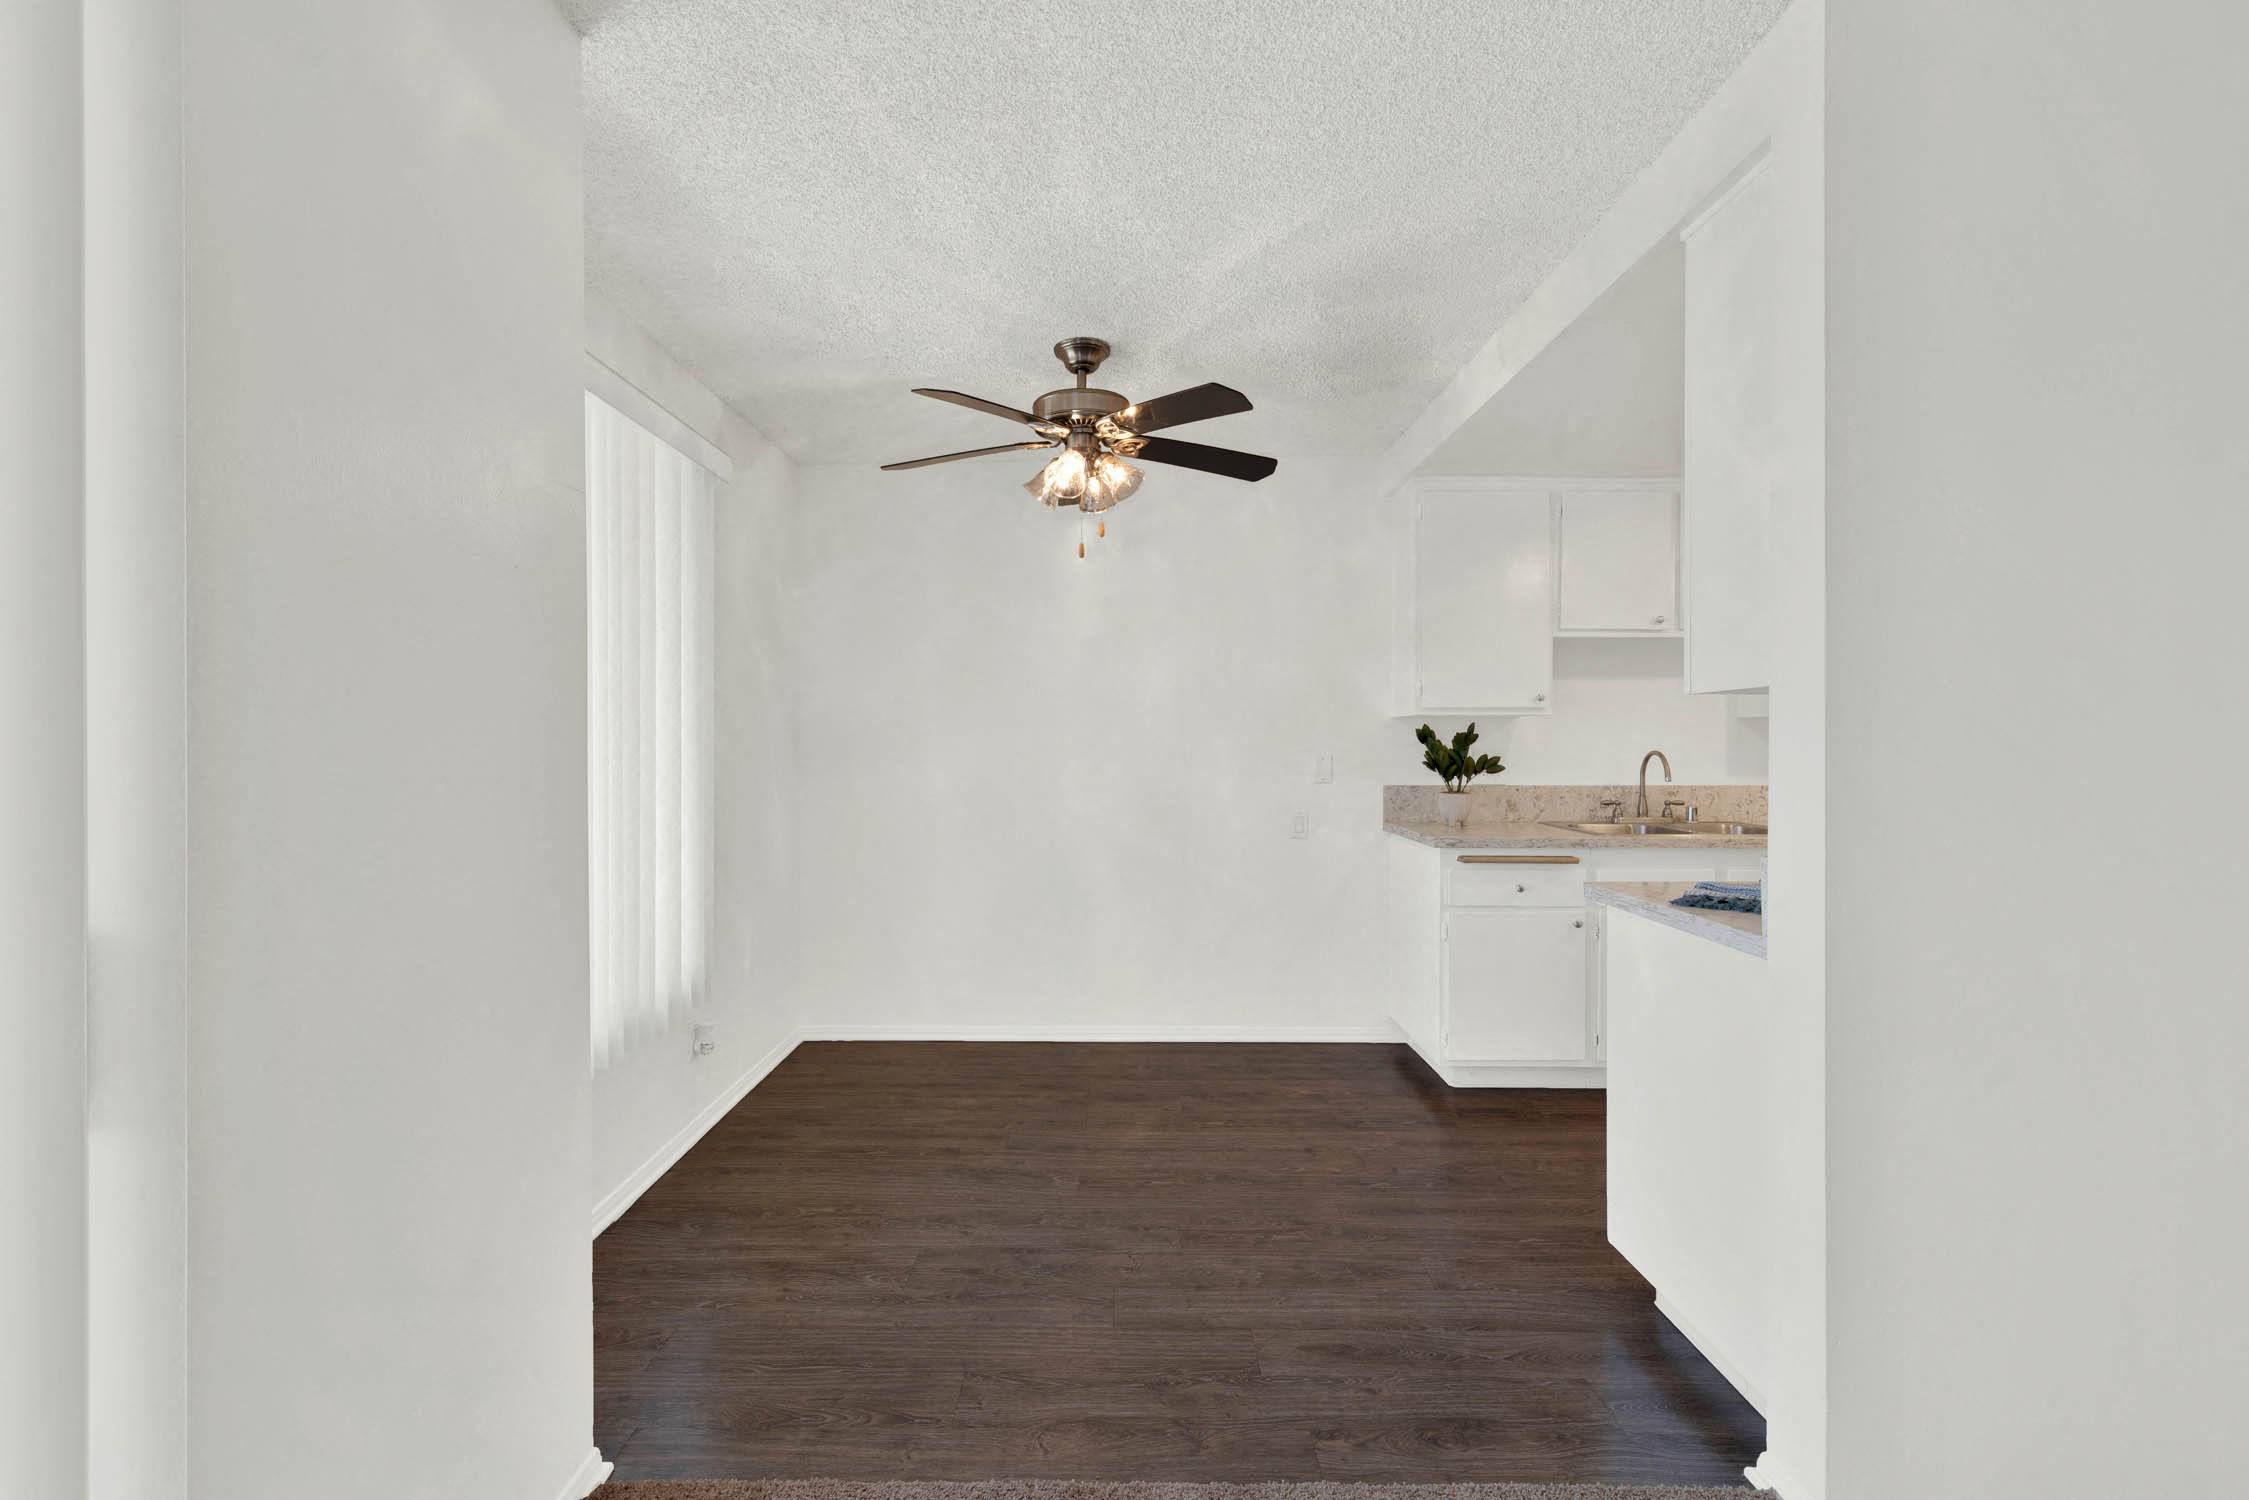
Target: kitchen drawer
1514 880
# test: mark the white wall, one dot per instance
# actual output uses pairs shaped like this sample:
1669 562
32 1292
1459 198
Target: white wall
1605 400
649 1106
1614 700
386 954
136 756
2039 1137
1051 794
42 759
754 943
1788 97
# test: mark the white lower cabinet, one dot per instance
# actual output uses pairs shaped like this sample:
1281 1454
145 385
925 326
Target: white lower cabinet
1515 987
1495 963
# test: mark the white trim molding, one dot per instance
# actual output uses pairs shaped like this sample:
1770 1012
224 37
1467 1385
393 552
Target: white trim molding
592 1470
1767 1475
643 1177
1717 1356
619 391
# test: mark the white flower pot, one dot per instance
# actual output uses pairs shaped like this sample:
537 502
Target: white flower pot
1452 808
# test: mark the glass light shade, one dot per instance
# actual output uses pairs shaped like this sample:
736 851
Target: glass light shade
1062 481
1112 481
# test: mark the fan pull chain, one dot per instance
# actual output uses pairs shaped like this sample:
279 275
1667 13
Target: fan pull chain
1101 528
1081 535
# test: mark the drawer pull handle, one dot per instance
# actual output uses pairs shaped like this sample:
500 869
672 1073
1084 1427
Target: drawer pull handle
1517 859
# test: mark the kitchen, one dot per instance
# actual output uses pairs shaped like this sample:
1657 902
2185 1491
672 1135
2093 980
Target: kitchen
1584 581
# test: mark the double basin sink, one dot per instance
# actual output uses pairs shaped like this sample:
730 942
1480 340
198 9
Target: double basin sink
1646 827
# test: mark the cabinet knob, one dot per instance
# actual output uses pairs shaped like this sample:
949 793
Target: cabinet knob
1520 889
1538 697
1659 619
1580 922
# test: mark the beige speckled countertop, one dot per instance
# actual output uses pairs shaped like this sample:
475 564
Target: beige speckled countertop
1549 836
1740 930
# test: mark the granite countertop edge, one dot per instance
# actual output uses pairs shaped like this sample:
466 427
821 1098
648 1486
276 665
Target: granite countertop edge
1741 931
1547 836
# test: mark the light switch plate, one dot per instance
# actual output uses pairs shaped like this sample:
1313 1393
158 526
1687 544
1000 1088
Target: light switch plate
1323 769
1300 827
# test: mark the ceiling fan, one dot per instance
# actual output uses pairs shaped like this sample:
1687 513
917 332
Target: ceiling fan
1098 430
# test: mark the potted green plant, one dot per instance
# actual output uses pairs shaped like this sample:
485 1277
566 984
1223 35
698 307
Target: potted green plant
1456 765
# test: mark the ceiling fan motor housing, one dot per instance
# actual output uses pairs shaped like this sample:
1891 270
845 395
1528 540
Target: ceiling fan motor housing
1080 407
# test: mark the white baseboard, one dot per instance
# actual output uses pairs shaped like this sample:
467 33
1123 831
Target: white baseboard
621 1197
592 1470
1767 1475
1715 1355
1518 1075
948 1032
1504 1075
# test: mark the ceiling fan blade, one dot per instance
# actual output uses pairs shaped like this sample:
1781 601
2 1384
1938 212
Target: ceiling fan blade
946 458
1195 404
1226 461
978 403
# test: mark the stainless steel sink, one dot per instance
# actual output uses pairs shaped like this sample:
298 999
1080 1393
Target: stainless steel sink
1734 829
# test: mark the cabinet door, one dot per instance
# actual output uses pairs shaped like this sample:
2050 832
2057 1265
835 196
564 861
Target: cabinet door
1733 437
1515 985
1483 600
1619 561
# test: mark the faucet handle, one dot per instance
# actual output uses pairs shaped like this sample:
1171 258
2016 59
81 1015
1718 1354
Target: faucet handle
1671 802
1612 809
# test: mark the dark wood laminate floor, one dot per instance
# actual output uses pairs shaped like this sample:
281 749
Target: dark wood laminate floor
964 1261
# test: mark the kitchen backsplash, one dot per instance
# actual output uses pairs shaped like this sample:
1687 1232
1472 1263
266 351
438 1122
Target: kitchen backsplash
1572 804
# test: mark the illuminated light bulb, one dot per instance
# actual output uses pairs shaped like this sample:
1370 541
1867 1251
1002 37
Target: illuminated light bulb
1118 480
1068 474
1063 479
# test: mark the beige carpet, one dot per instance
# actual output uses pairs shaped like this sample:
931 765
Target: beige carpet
1091 1489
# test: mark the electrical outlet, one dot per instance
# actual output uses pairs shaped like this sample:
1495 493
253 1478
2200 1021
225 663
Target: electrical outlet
1323 769
1300 827
705 1041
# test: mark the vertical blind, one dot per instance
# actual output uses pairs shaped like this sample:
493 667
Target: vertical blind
648 728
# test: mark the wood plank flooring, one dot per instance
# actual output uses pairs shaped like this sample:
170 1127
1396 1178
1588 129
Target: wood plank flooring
963 1261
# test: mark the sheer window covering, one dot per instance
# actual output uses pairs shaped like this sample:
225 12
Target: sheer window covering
650 686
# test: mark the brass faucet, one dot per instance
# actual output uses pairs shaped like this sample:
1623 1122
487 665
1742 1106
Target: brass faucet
1642 810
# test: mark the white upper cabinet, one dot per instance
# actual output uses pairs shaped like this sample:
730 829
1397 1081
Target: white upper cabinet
1482 600
1732 435
1617 561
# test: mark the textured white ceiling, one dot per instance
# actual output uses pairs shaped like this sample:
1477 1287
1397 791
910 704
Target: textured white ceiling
1327 205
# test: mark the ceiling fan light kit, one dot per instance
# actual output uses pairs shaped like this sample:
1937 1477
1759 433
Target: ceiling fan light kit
1099 430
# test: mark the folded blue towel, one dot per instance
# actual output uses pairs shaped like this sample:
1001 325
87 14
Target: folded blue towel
1713 895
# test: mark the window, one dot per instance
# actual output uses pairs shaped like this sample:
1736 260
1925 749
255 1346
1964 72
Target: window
649 681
